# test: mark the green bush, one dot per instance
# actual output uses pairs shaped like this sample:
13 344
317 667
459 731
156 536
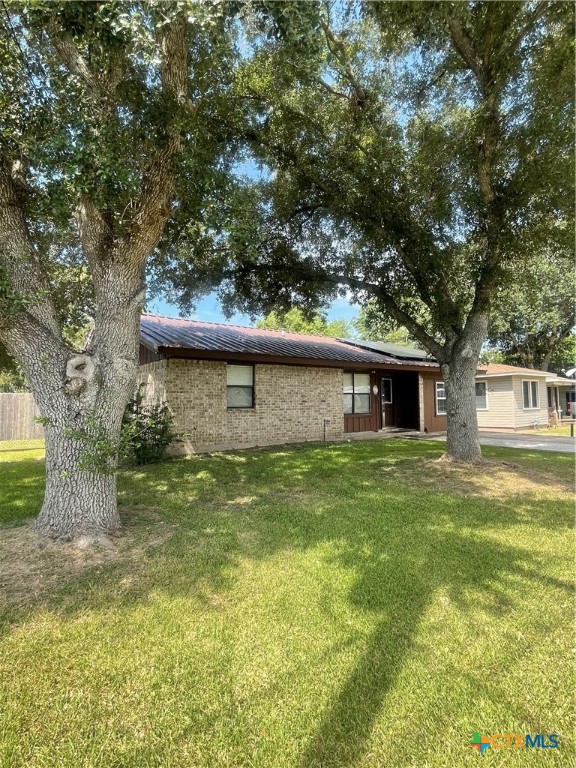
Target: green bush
147 431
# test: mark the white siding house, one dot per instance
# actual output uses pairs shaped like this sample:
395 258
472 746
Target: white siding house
508 397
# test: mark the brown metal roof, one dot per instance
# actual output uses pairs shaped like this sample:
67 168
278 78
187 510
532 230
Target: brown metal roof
166 334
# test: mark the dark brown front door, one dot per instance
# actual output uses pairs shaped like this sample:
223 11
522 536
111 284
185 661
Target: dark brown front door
387 400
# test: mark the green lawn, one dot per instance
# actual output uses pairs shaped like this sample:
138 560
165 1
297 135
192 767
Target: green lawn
563 431
343 605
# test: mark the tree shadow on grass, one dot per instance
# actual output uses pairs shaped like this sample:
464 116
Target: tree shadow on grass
226 507
396 582
403 542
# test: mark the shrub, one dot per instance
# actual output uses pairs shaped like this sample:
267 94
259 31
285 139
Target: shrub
147 431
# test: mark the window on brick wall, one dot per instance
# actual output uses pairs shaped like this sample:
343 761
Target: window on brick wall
240 386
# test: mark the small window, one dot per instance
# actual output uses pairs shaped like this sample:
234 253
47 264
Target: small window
530 395
386 390
356 392
240 386
481 396
440 399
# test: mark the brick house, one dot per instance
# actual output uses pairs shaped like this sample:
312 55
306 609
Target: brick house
235 387
231 387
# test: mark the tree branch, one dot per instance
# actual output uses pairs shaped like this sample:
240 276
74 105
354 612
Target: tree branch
152 208
415 328
464 47
18 255
536 14
338 50
96 235
98 86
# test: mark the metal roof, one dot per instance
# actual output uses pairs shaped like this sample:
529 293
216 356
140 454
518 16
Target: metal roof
396 350
175 333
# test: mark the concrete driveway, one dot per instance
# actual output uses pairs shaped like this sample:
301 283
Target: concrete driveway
531 442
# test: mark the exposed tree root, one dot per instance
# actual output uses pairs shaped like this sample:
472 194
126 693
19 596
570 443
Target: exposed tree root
447 459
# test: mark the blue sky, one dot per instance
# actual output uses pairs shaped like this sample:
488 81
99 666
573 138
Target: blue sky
209 310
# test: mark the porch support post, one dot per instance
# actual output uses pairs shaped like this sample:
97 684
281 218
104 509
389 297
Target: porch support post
420 402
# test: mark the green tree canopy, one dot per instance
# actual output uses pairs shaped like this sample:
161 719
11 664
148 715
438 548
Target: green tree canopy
534 318
372 324
417 153
296 321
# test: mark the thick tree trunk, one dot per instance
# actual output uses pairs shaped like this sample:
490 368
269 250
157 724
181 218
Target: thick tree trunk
83 403
462 436
545 362
77 503
82 398
459 372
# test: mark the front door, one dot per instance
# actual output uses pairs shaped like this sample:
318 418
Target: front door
387 403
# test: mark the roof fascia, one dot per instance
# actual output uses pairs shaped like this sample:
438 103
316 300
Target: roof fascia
200 354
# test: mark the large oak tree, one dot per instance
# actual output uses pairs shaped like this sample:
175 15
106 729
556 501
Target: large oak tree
111 128
418 153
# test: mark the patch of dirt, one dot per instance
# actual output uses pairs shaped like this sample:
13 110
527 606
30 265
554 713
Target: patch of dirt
28 570
491 479
241 500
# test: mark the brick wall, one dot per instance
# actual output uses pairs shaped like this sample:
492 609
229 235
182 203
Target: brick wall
153 376
291 403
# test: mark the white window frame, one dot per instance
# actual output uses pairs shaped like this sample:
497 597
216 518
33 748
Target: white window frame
475 395
531 407
251 387
439 413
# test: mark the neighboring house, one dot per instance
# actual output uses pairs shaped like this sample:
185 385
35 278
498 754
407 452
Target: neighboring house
508 397
561 395
230 386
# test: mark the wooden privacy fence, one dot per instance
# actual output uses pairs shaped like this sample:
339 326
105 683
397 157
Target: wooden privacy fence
17 413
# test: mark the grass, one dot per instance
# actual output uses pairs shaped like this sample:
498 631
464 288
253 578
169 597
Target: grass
563 431
345 605
16 450
21 479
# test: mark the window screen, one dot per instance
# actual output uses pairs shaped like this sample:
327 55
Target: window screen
530 394
240 386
